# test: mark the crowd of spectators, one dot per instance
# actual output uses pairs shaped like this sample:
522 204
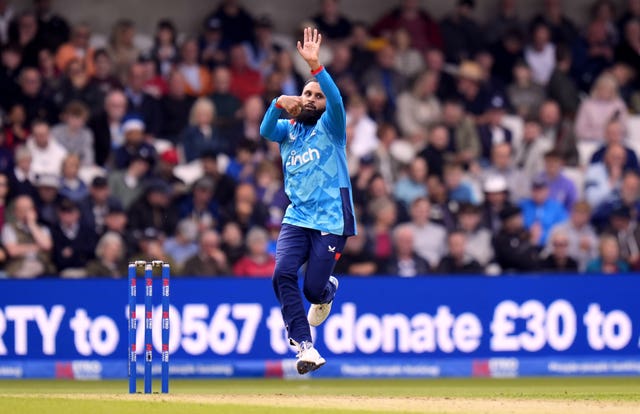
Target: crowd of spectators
498 146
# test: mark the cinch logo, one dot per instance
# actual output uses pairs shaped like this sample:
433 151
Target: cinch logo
298 159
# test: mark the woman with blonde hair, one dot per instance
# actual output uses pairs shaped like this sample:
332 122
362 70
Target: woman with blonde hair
122 48
200 135
109 261
603 105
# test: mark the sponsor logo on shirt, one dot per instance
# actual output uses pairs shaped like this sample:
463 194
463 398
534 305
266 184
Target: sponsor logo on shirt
309 155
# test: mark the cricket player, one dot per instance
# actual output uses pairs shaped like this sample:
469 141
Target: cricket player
320 217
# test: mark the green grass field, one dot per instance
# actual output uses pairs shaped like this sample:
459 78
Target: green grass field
536 395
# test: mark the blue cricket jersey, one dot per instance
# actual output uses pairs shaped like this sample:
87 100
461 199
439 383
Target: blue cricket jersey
314 161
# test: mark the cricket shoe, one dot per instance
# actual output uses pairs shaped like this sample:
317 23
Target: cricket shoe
308 358
318 313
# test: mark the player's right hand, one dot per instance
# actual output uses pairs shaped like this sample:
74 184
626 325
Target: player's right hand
291 104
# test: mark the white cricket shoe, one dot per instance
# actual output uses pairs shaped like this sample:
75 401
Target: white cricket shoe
319 313
308 358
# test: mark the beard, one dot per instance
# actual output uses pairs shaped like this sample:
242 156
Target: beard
309 116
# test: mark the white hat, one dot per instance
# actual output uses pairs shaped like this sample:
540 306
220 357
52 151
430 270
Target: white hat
495 184
132 124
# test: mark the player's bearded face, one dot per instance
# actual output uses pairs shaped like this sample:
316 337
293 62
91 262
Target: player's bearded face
313 104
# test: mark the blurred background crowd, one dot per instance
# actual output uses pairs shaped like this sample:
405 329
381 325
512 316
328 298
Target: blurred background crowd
485 147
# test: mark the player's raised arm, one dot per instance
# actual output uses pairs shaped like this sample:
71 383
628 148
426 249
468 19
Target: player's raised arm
309 49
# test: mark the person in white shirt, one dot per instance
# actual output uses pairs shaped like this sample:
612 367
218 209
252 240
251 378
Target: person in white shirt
47 154
540 55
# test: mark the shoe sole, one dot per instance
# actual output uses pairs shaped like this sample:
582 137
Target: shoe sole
311 320
305 367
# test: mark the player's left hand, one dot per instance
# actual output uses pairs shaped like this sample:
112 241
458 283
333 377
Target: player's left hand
309 49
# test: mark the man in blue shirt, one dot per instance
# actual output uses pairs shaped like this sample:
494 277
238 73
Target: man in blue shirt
320 217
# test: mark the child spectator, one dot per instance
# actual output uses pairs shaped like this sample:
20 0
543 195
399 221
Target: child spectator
73 133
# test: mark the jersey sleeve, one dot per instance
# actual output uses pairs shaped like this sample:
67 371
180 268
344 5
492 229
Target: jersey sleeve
272 127
335 117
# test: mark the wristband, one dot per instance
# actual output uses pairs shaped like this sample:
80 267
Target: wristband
315 72
277 104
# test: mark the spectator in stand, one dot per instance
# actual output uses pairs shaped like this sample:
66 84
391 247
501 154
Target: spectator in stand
563 30
583 241
201 208
103 77
627 233
107 126
496 199
109 257
478 238
52 28
463 134
419 107
21 174
604 11
47 154
122 49
423 29
73 243
508 51
631 12
614 135
561 188
383 213
502 165
245 81
134 144
153 209
154 83
405 262
438 152
459 189
591 55
4 192
47 198
505 21
627 50
540 54
529 155
457 261
609 261
429 238
236 22
364 141
461 34
6 16
212 50
248 127
559 259
627 195
331 23
270 190
75 85
23 31
223 186
602 106
409 62
127 184
362 56
71 186
414 184
51 76
541 212
233 242
98 203
515 247
198 80
201 135
210 259
73 134
470 90
165 171
10 67
27 243
356 260
16 129
165 47
562 88
442 211
559 131
524 95
245 208
227 105
32 98
492 132
175 107
379 105
263 50
150 247
603 177
384 74
77 48
183 245
257 262
140 102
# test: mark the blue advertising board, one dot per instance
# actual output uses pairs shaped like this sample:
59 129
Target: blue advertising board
379 327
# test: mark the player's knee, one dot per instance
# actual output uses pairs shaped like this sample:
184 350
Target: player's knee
314 294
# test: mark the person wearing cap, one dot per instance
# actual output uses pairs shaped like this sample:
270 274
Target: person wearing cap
154 209
47 154
201 207
135 145
320 217
583 240
127 184
46 198
73 241
97 204
211 49
496 199
470 88
514 246
627 232
478 238
492 132
541 212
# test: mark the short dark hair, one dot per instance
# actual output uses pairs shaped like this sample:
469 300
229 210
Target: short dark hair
311 80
